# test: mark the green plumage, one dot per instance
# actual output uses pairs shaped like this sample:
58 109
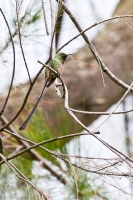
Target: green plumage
57 64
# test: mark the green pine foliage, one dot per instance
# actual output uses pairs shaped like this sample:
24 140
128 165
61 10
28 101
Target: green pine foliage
40 129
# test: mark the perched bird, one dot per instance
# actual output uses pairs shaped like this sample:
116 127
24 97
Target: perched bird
57 64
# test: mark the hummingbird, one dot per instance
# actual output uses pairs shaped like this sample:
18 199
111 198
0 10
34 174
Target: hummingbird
57 64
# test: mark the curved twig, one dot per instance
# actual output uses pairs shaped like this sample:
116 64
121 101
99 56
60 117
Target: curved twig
114 150
92 26
13 71
99 113
93 50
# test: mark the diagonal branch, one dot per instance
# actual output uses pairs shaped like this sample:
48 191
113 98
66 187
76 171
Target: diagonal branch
37 156
13 71
44 15
22 177
93 50
20 40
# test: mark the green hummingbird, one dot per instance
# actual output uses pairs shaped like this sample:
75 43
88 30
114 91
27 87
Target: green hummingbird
57 64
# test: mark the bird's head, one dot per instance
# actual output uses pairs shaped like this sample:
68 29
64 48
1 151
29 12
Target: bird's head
62 56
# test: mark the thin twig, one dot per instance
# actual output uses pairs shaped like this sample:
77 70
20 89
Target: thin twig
37 156
20 41
122 98
22 177
25 99
45 19
105 69
92 26
53 24
99 113
13 71
90 45
121 83
114 150
8 41
41 143
58 76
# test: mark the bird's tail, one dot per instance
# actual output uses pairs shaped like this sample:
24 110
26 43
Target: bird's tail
33 110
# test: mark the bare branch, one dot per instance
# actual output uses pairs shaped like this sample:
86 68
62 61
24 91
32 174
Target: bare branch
44 15
20 41
37 156
24 178
13 71
93 50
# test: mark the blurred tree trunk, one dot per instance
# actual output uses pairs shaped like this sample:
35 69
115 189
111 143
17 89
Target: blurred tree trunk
82 74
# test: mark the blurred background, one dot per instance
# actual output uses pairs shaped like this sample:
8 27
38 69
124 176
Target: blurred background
113 42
